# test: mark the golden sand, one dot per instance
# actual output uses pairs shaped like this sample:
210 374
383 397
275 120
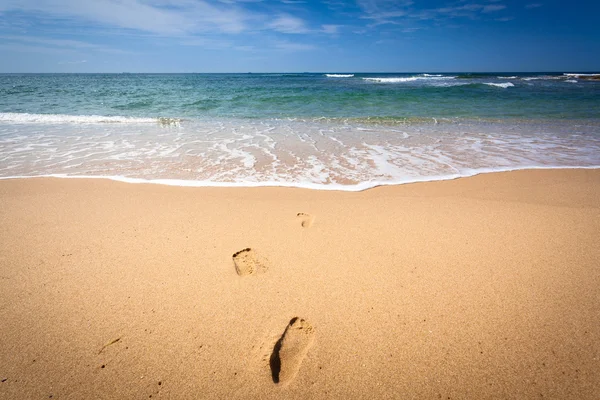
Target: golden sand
479 288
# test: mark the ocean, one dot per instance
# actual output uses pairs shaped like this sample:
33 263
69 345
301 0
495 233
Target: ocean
339 131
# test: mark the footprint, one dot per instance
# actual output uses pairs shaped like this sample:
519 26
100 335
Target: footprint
247 262
290 350
306 220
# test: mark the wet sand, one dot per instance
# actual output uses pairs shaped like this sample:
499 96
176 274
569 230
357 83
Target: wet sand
478 288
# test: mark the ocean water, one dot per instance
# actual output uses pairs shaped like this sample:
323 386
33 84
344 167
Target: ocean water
342 131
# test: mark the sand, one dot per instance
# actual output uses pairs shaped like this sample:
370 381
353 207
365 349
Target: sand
477 288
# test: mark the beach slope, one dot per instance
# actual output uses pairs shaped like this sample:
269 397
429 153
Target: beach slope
483 287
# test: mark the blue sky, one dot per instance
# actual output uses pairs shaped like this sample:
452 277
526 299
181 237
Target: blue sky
298 35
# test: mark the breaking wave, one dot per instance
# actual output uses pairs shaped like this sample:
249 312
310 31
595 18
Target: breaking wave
503 85
25 118
424 77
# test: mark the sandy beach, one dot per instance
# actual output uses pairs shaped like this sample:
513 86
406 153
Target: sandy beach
477 288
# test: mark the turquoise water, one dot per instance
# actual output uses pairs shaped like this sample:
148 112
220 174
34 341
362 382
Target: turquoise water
342 131
302 95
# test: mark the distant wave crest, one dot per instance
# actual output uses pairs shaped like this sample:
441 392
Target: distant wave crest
390 80
339 75
542 77
503 85
581 75
424 77
26 118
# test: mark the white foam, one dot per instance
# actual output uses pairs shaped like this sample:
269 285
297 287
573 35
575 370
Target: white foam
315 186
423 77
579 75
339 75
507 77
450 84
391 80
321 155
438 77
433 75
501 85
25 118
542 77
571 81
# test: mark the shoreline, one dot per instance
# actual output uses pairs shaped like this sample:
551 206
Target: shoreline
307 186
481 287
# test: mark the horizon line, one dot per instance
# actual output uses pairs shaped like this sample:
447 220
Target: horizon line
322 72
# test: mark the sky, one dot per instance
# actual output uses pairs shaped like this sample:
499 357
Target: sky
299 36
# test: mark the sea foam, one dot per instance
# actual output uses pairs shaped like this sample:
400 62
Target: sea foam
391 80
424 77
503 85
359 187
339 75
580 75
25 118
295 153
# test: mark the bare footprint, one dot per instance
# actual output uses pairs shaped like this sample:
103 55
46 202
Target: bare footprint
306 220
247 262
290 350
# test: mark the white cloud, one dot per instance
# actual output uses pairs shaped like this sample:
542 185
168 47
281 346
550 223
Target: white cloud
166 17
330 29
391 11
54 44
49 42
493 7
170 18
469 10
288 24
239 1
384 9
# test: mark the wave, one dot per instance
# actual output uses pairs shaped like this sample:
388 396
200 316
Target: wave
408 79
432 75
339 75
359 187
543 77
445 84
474 76
503 85
581 75
25 118
391 80
507 77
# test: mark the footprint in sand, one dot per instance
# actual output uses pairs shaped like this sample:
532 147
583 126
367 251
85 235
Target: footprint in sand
306 220
247 262
290 350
